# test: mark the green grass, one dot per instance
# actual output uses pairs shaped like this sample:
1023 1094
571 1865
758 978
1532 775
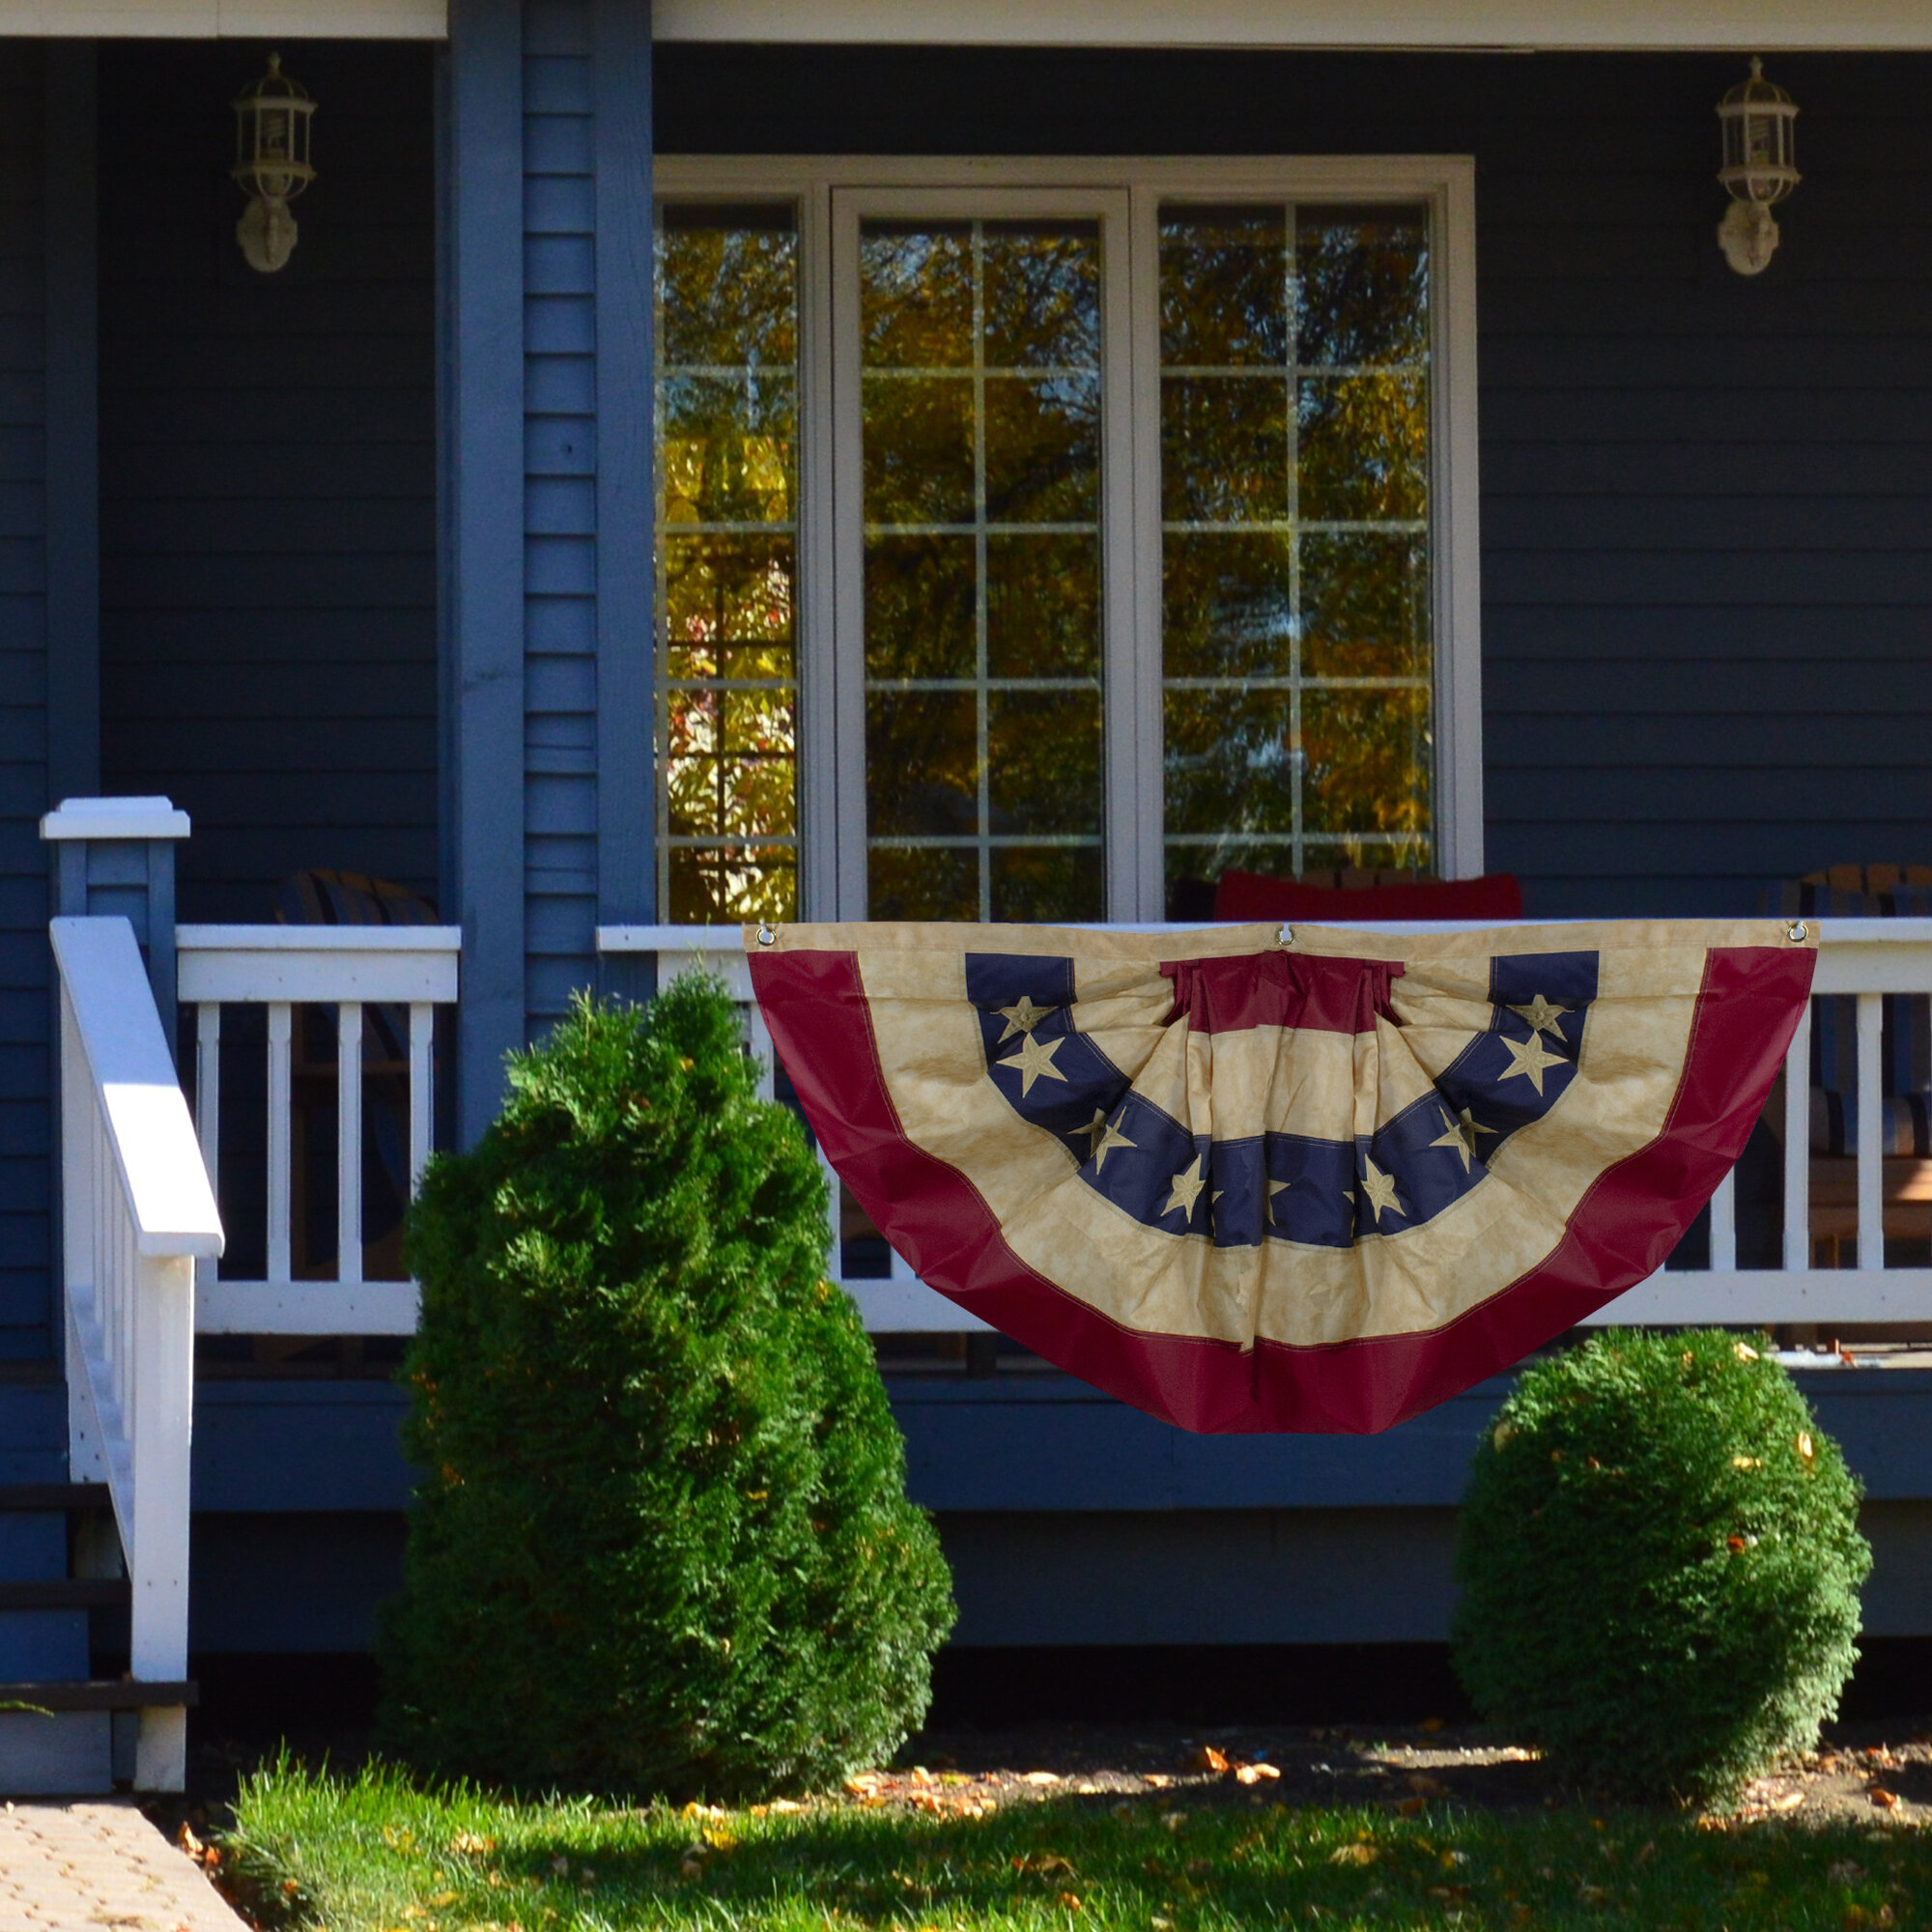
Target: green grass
378 1854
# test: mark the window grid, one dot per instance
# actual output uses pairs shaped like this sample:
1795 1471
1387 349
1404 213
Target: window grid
983 842
742 871
1297 845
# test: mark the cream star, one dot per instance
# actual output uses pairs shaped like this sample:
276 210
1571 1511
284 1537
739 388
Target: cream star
1274 1187
1528 1057
1188 1187
1379 1187
1022 1017
1542 1017
1102 1137
1034 1061
1461 1135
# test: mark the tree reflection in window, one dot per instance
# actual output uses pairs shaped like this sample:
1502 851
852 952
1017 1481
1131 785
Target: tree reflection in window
981 433
726 720
1297 669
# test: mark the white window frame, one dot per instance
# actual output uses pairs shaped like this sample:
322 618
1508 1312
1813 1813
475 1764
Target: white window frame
831 193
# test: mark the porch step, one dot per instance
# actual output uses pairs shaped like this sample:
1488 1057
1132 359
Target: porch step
53 1497
65 1593
101 1694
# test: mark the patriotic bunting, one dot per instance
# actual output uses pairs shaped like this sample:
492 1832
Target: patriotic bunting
1249 1179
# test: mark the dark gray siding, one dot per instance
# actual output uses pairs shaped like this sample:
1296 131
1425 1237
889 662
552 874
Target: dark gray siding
268 474
1707 519
25 1006
559 504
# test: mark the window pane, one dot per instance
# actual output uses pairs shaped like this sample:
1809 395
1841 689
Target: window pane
981 432
726 558
1296 629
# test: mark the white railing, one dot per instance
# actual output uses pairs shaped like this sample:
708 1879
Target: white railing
1865 957
137 1218
290 970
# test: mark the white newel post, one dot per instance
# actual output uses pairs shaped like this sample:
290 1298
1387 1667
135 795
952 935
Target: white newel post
117 855
157 1563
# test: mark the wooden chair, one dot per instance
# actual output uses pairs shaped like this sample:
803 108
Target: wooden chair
1865 891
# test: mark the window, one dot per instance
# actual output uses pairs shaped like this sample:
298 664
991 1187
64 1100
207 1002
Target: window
1031 547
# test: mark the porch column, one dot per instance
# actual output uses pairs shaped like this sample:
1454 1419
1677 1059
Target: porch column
626 484
481 430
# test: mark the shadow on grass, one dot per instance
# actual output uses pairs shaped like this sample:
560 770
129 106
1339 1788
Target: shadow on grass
380 1852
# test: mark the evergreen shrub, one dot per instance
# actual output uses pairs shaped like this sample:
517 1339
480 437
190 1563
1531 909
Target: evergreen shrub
1659 1564
661 1542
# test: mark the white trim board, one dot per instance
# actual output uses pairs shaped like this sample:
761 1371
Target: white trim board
218 20
1744 26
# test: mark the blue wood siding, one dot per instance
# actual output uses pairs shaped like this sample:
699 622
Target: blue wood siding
267 476
1068 1519
25 997
1707 582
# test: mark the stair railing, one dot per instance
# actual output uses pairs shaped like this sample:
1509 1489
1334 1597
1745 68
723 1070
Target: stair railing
137 1210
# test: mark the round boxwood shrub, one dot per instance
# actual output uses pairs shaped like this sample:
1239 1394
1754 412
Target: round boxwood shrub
661 1541
1660 1565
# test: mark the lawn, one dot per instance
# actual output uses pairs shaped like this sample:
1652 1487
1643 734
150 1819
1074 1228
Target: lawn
374 1853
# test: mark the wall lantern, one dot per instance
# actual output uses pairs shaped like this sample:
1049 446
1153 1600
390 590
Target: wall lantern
1760 150
271 117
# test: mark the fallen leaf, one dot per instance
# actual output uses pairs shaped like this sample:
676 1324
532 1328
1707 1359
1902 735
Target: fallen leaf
1807 1450
1253 1773
473 1844
443 1899
1044 1864
1353 1855
1880 1795
1745 1351
1734 1544
1070 1900
1039 1777
1211 1759
1158 1780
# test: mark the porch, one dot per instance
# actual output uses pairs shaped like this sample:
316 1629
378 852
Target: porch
353 562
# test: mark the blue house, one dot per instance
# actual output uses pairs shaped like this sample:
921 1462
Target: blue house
501 494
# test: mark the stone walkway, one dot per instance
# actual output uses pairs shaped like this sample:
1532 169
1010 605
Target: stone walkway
96 1865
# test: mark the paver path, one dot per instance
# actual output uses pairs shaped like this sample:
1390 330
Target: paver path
90 1865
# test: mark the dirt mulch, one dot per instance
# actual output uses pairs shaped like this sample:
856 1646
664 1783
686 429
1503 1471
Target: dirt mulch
1860 1771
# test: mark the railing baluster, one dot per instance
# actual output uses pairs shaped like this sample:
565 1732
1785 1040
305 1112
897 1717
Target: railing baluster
281 1033
349 1142
422 1094
1871 1122
208 1107
1798 1145
1724 1225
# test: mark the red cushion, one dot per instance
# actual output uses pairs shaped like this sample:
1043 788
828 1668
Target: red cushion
1251 895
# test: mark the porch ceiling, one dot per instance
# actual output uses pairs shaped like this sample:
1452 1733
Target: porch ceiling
1761 26
213 20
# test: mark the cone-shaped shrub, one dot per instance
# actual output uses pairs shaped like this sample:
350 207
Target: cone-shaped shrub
1659 1564
661 1542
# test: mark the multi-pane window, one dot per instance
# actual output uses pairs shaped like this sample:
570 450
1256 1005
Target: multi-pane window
1296 673
1026 550
726 723
980 358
